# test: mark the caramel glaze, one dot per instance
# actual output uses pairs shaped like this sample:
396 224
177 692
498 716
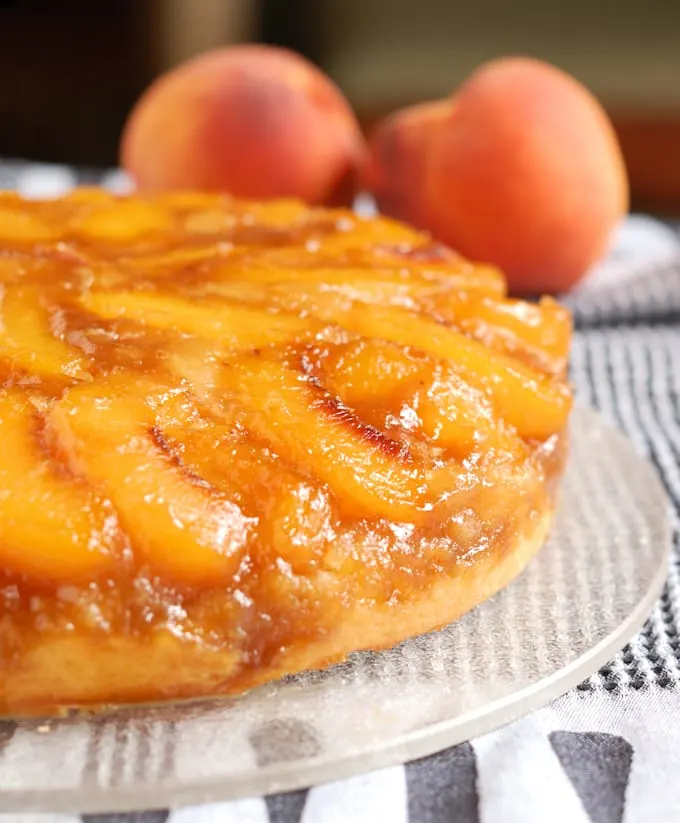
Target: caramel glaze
238 419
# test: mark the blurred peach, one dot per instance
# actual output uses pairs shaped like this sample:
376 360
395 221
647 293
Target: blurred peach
397 167
254 121
520 168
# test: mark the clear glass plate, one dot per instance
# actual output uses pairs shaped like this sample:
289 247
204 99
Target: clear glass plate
585 594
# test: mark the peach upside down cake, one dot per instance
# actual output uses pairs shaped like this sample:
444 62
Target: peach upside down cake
241 440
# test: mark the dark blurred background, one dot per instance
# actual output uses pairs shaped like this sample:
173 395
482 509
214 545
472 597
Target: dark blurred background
70 71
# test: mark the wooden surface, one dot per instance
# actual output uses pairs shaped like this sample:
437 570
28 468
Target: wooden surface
651 147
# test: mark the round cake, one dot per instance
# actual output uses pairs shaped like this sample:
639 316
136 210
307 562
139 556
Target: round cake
242 440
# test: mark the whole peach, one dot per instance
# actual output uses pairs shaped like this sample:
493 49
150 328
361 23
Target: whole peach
525 172
254 121
398 167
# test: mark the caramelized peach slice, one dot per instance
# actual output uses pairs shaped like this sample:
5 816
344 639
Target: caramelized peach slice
89 197
166 264
311 429
18 224
123 222
283 213
297 293
353 232
183 527
275 263
326 269
318 276
28 342
293 514
215 222
545 326
536 405
234 326
186 200
452 414
51 526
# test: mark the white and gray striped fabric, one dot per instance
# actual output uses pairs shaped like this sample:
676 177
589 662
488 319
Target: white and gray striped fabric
608 752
